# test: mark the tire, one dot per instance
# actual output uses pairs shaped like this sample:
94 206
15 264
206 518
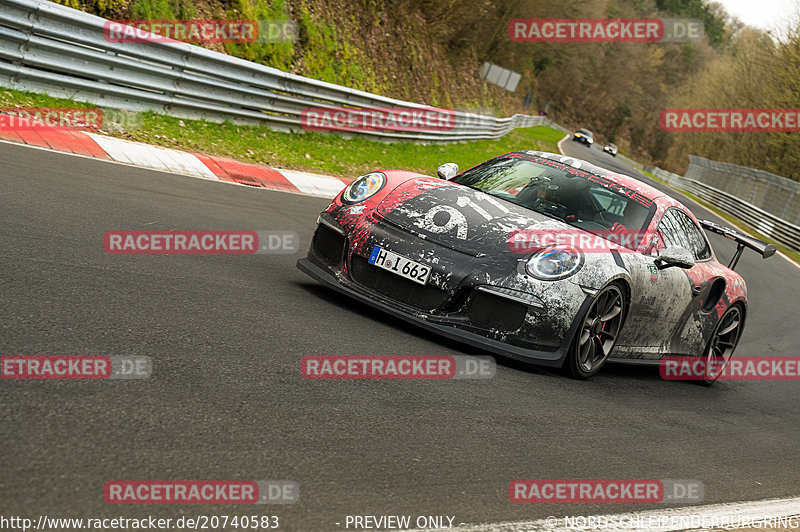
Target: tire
723 343
595 337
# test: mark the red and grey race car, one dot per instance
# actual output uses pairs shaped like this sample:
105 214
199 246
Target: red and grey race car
539 257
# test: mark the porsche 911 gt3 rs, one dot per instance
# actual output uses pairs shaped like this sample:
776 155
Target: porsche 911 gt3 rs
445 254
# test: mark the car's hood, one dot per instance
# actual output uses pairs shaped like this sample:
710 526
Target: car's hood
459 217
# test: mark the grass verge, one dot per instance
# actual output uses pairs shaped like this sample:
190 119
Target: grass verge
312 151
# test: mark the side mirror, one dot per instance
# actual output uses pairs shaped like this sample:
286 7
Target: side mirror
675 256
447 171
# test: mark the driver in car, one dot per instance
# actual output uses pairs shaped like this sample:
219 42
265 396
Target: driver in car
541 187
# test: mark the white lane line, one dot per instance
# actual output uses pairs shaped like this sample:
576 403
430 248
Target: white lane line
791 261
560 149
714 516
154 157
314 184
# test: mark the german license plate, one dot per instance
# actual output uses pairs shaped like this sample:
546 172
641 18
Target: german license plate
383 258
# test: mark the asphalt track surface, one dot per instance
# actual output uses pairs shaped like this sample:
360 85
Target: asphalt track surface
227 400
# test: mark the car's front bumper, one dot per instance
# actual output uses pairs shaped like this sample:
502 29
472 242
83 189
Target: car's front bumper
545 358
453 303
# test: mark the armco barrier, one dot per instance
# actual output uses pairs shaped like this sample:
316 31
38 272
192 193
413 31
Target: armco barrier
767 224
46 47
775 194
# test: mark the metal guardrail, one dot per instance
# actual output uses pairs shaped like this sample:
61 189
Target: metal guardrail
765 223
46 47
775 194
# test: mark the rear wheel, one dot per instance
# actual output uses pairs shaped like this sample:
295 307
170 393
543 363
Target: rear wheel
722 344
597 333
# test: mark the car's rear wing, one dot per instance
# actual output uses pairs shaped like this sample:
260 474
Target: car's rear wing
742 241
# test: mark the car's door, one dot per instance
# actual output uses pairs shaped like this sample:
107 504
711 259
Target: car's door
660 297
695 323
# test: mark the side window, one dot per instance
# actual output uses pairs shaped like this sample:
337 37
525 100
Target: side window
696 240
677 229
668 232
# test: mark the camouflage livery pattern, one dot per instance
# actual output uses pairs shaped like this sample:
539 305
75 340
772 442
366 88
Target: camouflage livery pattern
480 288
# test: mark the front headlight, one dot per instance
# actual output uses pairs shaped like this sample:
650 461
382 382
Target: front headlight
364 187
556 262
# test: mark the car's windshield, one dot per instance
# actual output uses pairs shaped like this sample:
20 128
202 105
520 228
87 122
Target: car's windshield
580 199
585 132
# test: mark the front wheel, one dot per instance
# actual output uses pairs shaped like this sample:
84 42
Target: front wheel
597 333
722 344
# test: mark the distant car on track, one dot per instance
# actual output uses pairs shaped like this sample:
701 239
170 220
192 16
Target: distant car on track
444 254
610 149
584 136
